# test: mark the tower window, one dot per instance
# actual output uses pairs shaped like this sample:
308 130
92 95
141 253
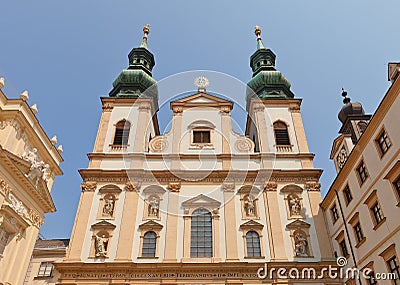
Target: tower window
394 268
335 214
347 195
343 248
377 213
397 186
149 244
121 132
383 143
362 172
253 244
281 133
45 269
201 234
201 137
358 232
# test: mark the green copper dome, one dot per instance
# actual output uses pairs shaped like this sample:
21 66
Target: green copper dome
137 81
267 82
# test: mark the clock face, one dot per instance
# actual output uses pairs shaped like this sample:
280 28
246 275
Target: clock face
341 157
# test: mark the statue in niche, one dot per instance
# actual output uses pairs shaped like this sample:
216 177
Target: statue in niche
108 208
294 205
154 205
38 168
101 244
300 245
249 205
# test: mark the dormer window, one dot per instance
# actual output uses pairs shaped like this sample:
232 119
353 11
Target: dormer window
201 136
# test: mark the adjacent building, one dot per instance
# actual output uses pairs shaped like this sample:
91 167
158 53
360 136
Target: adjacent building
29 163
362 205
200 204
41 267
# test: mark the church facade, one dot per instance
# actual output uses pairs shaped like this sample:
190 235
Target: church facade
200 204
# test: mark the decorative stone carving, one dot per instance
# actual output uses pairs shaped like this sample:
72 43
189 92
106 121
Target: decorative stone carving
294 205
38 169
101 243
108 208
313 186
225 110
270 186
228 186
158 144
177 110
17 205
244 145
154 205
294 108
35 218
301 245
174 186
133 185
249 205
144 106
4 187
89 186
107 107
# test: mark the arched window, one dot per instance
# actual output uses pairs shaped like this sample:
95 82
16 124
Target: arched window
253 244
149 244
281 133
201 234
122 132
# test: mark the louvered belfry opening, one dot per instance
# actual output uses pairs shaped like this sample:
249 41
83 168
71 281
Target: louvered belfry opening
281 133
122 133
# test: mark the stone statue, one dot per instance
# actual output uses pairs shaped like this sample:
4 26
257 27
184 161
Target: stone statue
101 244
38 168
249 206
295 206
300 245
154 207
108 208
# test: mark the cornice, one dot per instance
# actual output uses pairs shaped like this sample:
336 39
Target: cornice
166 177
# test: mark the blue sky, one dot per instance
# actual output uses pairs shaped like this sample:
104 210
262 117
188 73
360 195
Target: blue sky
67 53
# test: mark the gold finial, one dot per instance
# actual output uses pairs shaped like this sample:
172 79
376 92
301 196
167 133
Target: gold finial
146 30
257 31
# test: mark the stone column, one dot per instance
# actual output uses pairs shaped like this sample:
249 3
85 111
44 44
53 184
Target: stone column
81 225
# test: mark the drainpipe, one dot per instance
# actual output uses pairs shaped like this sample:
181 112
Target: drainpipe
347 233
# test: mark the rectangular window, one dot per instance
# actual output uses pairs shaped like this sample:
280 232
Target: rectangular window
394 268
4 237
201 137
347 195
45 269
377 213
335 214
371 279
343 248
383 143
397 186
362 172
358 232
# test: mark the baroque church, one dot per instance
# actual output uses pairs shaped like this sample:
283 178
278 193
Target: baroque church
150 213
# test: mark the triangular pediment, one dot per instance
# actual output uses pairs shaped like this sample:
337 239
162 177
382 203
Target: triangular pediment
251 225
103 225
202 98
298 224
151 225
201 200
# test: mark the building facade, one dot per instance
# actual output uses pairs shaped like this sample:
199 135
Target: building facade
199 204
362 204
29 162
41 266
